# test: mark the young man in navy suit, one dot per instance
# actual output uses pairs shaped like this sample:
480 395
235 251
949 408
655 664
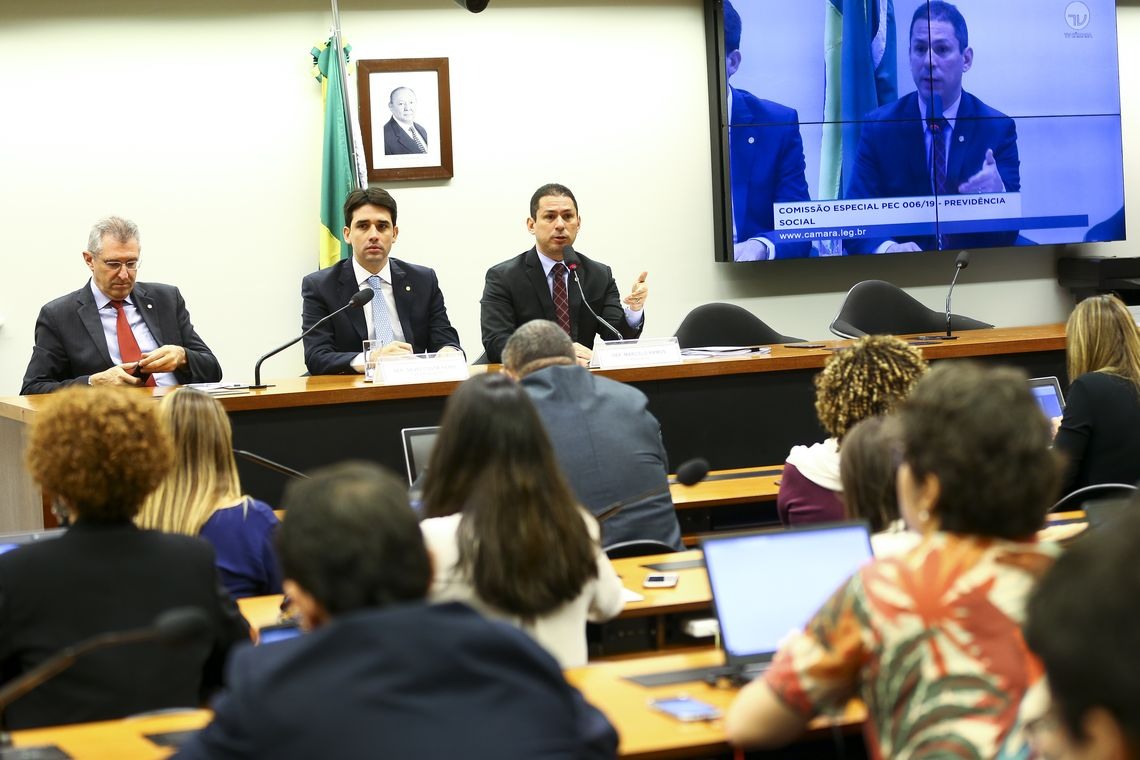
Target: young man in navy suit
407 313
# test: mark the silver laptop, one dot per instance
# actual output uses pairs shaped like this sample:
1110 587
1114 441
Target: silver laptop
10 541
418 443
1047 391
768 583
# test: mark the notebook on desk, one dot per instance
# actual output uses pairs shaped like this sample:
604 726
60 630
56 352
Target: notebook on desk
1047 391
769 583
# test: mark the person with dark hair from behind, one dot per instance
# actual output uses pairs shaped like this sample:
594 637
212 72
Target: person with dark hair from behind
538 284
406 314
97 453
606 440
1099 432
505 531
938 140
379 672
930 639
867 471
202 496
1083 622
767 156
869 378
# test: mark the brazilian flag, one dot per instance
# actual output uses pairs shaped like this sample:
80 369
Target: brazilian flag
339 169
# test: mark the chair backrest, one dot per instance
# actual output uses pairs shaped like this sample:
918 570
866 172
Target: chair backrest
1077 499
637 548
875 307
726 324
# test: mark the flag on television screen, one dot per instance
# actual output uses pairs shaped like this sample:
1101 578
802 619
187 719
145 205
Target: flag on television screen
861 74
341 168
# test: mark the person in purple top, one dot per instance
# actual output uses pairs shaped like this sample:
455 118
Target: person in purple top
202 496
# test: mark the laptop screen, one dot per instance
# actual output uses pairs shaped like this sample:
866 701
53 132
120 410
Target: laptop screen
1047 391
418 443
10 541
769 583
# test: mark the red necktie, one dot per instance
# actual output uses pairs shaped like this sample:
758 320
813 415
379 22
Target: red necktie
558 292
938 130
129 350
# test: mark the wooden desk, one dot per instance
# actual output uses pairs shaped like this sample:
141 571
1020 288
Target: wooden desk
735 412
114 739
728 500
645 733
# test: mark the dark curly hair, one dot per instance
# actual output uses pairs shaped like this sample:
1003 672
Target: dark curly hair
102 450
868 379
979 431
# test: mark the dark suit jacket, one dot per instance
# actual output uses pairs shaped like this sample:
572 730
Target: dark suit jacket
892 162
97 578
609 446
405 681
767 155
517 291
398 142
1100 431
70 345
330 349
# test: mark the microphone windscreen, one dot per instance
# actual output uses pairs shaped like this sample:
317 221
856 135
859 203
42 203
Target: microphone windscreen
181 624
569 257
963 260
362 296
692 471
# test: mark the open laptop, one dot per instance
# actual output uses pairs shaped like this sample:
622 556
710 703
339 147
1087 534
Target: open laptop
1047 391
768 583
10 541
418 443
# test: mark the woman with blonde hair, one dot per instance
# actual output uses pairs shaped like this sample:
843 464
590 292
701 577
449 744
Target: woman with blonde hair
1100 430
202 496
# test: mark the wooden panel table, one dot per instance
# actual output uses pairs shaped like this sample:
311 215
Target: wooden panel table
114 739
735 412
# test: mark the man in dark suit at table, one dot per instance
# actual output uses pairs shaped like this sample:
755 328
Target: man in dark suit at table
539 284
767 156
380 672
606 440
402 135
114 330
406 314
939 140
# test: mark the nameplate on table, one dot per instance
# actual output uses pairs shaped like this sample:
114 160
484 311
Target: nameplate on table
646 352
423 368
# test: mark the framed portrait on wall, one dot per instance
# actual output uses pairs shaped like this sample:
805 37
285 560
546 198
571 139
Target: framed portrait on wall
405 118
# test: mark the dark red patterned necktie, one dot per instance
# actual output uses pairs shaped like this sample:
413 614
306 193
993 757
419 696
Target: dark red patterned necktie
558 291
939 129
129 350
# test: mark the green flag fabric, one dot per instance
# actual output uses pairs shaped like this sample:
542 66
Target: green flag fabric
339 176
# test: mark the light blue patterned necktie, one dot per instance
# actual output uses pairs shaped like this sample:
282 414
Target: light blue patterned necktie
381 322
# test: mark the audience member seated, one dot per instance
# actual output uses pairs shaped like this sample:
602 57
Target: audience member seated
1100 430
98 452
867 379
380 673
1084 624
202 496
605 438
506 533
930 640
867 470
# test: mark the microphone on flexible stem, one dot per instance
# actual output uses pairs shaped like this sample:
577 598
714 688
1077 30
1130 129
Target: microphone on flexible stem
689 473
359 298
960 263
570 259
176 626
269 464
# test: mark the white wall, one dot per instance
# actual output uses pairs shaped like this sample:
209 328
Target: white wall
203 125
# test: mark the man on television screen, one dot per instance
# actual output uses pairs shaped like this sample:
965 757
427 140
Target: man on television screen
767 161
938 140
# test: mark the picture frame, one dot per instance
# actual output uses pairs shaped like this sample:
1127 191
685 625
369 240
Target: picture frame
417 90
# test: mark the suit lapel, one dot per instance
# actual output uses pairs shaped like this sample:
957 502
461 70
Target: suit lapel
89 316
145 305
346 289
540 284
402 295
961 139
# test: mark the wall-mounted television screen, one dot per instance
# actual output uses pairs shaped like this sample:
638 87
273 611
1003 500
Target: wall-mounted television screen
848 127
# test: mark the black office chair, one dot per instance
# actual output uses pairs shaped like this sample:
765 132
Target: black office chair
637 548
726 324
875 307
1078 498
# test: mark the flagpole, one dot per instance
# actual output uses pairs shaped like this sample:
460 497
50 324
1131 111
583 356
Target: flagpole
350 133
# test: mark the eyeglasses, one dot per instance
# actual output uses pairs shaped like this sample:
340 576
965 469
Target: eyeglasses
115 266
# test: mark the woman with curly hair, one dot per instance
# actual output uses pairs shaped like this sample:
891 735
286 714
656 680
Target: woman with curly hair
1100 430
202 496
98 452
865 380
